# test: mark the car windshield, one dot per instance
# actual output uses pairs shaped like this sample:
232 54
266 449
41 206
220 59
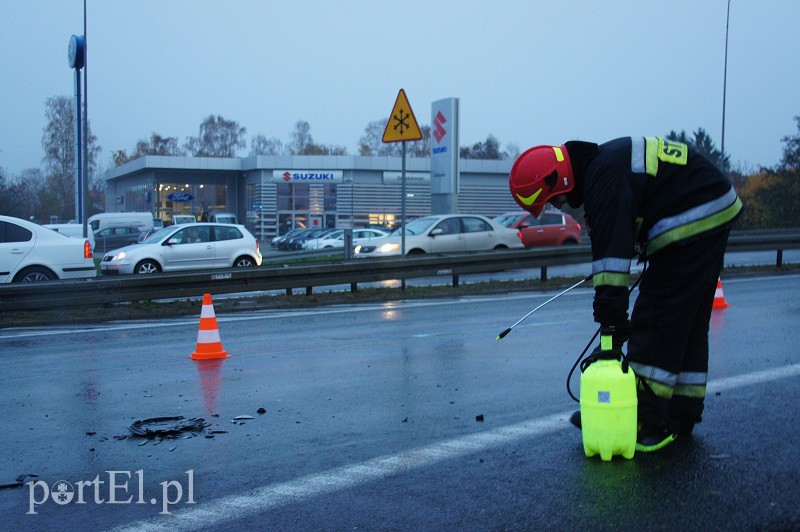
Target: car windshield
334 234
158 235
419 226
507 220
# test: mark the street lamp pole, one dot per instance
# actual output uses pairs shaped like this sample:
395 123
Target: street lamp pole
85 178
725 78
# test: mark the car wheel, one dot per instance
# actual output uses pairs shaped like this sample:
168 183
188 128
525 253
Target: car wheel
416 251
500 246
328 247
244 262
147 266
569 242
34 274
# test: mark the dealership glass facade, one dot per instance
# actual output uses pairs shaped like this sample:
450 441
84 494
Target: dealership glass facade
183 198
272 195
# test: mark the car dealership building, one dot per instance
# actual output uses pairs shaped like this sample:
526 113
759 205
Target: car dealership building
272 194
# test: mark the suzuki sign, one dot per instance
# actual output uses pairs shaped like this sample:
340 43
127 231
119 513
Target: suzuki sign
307 176
444 156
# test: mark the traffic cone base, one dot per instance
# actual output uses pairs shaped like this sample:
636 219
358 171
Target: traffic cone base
719 297
209 345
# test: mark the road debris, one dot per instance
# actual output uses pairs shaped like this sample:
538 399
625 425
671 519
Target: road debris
243 418
20 481
479 417
166 427
262 410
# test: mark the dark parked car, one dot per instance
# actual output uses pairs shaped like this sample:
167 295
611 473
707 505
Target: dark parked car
114 237
554 228
296 243
285 243
276 242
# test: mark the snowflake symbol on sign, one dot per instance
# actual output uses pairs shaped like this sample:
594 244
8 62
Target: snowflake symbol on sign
402 122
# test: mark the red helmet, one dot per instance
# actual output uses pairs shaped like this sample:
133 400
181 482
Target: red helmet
539 174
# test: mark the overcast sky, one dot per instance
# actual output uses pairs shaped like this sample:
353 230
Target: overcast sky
528 72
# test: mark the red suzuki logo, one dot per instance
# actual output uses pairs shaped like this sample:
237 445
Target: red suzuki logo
440 131
287 176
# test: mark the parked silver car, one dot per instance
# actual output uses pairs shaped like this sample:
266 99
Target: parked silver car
194 246
450 233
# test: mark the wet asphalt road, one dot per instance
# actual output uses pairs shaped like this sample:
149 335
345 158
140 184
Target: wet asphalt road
370 420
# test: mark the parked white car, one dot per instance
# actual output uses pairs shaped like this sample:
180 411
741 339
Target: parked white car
336 239
196 246
30 252
448 233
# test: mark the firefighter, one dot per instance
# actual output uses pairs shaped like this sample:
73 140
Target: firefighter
663 201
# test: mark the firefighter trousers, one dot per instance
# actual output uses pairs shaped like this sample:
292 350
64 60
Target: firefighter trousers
668 346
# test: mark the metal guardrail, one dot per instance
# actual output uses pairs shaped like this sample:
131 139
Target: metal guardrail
104 290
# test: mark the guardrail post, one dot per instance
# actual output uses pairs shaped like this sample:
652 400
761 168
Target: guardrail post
309 290
348 244
544 274
288 291
455 281
354 287
779 260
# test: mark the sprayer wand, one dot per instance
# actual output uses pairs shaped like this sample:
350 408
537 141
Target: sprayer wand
504 333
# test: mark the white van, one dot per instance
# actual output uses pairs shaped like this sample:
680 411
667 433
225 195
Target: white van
179 219
73 230
223 218
143 221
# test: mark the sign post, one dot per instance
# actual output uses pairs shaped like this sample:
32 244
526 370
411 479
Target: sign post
402 127
76 56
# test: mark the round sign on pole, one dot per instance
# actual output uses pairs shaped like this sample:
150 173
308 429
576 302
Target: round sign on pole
76 54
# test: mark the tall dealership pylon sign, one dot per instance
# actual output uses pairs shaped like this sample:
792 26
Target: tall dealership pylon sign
444 156
402 127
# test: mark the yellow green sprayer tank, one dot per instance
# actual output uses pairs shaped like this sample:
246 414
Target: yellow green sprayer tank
608 406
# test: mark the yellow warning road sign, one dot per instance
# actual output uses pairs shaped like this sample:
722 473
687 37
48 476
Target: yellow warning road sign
402 124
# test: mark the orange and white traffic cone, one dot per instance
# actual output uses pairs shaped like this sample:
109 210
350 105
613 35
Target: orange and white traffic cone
719 298
209 345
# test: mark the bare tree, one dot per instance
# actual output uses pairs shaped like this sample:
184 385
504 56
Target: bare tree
300 139
421 148
157 145
32 192
261 145
217 138
513 151
371 142
791 151
119 157
58 141
302 143
484 150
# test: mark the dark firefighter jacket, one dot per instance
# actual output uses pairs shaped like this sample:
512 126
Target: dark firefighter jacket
640 195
